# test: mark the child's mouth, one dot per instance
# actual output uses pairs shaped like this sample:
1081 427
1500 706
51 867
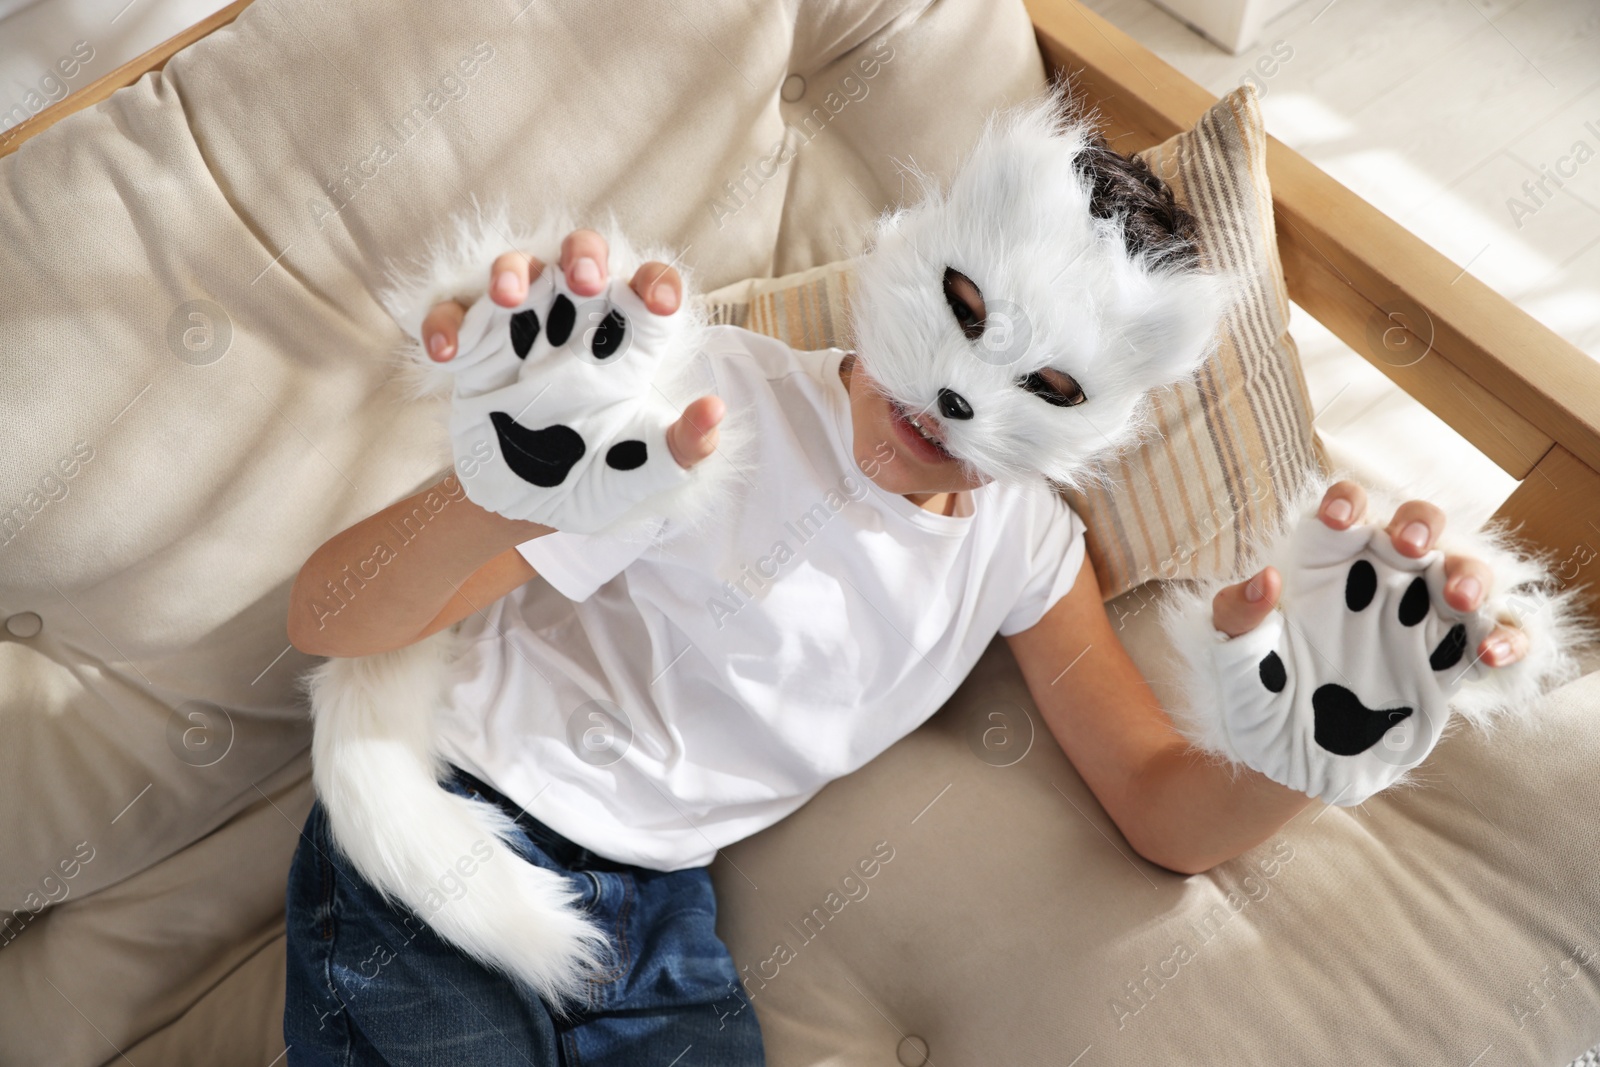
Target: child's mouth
921 440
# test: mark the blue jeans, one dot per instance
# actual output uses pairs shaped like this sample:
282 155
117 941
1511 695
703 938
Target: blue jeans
371 983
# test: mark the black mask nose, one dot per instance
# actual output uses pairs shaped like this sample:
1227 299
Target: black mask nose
952 405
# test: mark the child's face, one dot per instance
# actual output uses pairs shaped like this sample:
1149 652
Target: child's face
889 450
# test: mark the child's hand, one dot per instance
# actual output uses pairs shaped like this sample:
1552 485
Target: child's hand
1344 671
1467 580
568 391
583 262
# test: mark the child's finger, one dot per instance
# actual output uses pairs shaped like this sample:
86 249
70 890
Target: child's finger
583 261
1504 646
1466 582
1416 525
1343 505
1234 612
440 328
694 436
659 286
510 276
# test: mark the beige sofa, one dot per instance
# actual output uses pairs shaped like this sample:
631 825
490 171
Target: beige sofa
196 396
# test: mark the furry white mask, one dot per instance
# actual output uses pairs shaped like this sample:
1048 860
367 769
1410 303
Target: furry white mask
1074 299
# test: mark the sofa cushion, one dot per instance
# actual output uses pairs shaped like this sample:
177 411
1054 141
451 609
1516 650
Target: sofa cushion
178 955
970 902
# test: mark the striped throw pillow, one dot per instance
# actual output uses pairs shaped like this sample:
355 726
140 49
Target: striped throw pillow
1234 442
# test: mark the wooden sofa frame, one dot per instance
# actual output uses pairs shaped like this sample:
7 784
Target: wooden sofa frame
1521 394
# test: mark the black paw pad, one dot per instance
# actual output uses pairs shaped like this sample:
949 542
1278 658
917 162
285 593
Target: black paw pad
542 457
608 337
562 317
1414 605
1360 585
1273 675
1347 727
524 331
1450 650
626 455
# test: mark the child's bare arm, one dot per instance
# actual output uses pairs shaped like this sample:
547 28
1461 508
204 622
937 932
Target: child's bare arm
1177 807
383 583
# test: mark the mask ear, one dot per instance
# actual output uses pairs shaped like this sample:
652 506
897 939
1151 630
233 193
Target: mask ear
1177 326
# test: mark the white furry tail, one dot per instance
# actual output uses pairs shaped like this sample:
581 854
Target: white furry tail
377 771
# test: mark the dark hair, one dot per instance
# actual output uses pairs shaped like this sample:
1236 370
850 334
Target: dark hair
1155 227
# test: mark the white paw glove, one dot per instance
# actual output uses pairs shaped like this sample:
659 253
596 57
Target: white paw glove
555 418
559 407
1349 682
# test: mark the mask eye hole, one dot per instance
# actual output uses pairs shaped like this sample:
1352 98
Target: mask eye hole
966 303
1053 387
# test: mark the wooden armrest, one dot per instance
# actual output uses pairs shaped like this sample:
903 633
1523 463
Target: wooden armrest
125 75
1523 395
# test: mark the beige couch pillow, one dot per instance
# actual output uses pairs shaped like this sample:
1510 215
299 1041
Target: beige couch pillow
1237 440
1234 442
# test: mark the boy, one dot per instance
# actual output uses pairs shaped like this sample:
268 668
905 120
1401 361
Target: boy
634 727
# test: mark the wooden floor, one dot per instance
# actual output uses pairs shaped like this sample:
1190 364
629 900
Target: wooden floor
1437 112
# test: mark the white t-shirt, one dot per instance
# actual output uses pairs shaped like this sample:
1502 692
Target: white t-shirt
678 697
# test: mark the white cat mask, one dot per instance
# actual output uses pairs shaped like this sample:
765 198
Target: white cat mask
1070 292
